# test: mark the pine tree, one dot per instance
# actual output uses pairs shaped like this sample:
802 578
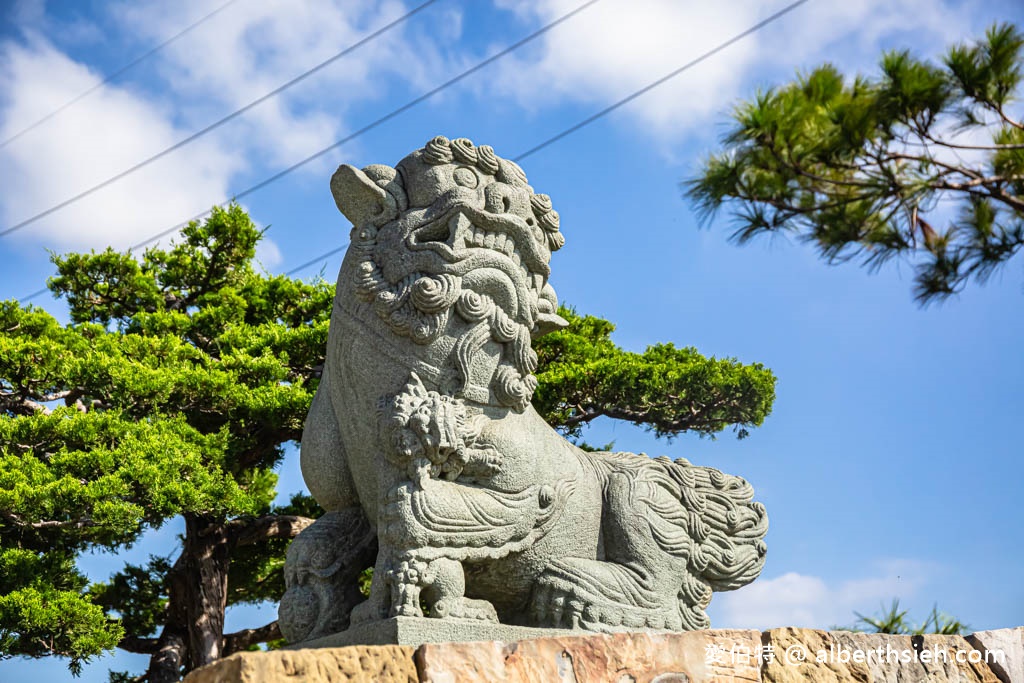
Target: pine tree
863 167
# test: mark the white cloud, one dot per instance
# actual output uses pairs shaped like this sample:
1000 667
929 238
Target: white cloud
238 55
249 48
252 48
612 48
616 47
110 130
795 599
268 254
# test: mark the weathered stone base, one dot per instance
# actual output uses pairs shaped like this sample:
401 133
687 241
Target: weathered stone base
784 655
417 631
363 664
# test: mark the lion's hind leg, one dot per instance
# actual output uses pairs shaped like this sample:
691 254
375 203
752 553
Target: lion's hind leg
324 561
323 456
595 595
673 532
635 586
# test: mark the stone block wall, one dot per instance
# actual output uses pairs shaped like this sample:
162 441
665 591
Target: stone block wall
777 656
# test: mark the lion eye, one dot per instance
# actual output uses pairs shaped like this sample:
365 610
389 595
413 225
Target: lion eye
465 177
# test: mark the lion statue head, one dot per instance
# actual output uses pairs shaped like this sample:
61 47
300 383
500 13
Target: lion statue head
454 229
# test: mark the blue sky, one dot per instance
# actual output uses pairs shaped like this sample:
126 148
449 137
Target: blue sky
890 465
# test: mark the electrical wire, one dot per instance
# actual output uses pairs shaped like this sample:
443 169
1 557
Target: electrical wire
607 110
536 148
117 73
216 124
365 129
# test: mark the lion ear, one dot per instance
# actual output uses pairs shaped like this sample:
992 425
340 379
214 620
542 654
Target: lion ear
357 196
547 323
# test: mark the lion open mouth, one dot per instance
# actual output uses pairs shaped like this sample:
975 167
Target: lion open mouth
469 239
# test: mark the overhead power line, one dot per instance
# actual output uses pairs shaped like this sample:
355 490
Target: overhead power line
117 73
39 292
311 262
365 129
216 124
667 77
609 109
568 131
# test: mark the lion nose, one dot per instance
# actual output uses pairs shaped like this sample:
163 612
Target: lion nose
500 198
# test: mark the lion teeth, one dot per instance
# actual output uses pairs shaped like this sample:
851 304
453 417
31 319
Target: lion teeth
464 235
460 229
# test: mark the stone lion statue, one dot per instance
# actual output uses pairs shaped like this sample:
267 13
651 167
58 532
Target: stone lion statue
422 433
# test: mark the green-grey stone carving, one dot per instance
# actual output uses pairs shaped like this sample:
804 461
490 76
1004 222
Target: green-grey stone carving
423 427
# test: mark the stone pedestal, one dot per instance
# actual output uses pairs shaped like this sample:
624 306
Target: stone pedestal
781 655
415 631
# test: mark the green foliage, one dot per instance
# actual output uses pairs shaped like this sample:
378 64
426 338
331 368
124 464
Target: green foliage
584 375
43 609
858 166
36 622
894 620
101 476
173 392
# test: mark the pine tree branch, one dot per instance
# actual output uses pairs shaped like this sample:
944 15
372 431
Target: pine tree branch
929 159
246 531
583 416
952 145
1007 119
989 192
139 645
56 396
29 402
247 637
50 523
21 405
640 417
699 415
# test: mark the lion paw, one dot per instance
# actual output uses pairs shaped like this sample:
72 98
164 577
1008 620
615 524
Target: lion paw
589 600
464 608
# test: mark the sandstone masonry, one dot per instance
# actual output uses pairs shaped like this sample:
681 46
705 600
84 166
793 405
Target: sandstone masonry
781 655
